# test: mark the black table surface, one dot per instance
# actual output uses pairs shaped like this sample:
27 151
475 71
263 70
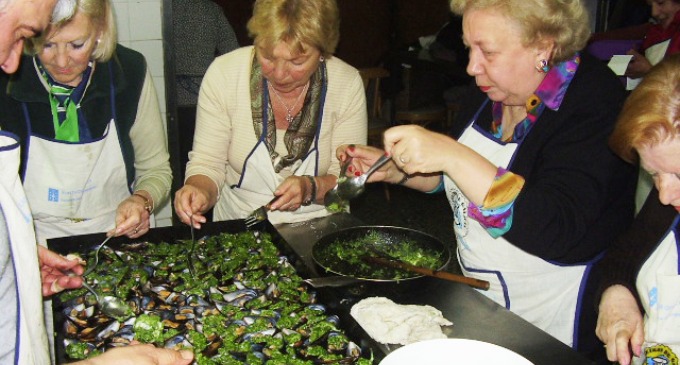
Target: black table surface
474 316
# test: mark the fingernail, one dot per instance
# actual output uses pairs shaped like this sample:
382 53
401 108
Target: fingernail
56 288
351 147
350 168
357 173
186 354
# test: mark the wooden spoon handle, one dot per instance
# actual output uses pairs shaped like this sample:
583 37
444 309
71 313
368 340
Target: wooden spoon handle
475 283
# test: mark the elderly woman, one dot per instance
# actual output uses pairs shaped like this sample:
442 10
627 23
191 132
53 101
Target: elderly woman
94 153
641 272
270 117
535 191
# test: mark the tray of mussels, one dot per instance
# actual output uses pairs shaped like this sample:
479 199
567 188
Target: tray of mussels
232 296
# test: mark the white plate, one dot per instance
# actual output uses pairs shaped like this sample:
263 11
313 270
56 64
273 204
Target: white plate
453 351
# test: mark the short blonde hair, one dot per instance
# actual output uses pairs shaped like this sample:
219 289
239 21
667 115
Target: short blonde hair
315 23
651 113
101 14
564 21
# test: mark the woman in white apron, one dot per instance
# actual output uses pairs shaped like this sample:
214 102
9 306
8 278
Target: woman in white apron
536 194
641 273
94 153
270 117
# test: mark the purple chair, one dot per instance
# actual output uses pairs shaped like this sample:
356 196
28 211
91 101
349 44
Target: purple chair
605 49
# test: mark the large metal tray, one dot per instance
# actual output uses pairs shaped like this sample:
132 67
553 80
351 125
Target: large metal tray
84 243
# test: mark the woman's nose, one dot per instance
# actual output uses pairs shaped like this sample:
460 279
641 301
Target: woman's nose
473 68
280 71
669 188
62 58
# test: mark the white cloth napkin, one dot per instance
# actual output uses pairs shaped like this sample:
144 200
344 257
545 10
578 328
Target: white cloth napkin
391 323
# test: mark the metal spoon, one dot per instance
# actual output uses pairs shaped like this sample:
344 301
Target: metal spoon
193 243
350 187
111 306
96 256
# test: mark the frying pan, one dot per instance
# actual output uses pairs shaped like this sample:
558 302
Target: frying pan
383 239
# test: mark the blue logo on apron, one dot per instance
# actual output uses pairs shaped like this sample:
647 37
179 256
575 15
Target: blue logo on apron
53 195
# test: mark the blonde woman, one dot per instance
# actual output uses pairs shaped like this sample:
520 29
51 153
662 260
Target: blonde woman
270 117
94 152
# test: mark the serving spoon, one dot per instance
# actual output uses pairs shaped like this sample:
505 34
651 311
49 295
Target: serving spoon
91 268
349 188
113 307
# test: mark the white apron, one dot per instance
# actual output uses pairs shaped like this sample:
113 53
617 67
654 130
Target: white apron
545 294
259 181
658 284
75 188
32 344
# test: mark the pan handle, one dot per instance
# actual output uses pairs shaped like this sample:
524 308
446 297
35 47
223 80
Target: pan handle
475 283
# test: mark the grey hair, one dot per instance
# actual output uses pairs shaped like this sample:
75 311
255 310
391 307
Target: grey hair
63 10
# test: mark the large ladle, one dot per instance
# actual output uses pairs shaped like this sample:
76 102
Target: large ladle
113 307
349 188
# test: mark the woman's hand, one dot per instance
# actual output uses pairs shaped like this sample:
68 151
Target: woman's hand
639 65
619 324
140 354
292 193
54 270
132 218
363 157
418 150
196 197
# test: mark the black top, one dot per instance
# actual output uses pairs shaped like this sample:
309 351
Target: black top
623 261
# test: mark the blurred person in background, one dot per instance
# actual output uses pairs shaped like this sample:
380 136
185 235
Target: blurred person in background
200 32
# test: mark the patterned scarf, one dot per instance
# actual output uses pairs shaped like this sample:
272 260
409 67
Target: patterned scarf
549 93
301 131
65 103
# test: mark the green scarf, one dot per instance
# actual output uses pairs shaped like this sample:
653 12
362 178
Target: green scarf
65 104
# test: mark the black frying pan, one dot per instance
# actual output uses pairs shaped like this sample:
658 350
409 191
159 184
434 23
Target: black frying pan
344 252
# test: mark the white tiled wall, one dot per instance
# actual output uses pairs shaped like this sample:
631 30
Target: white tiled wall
139 25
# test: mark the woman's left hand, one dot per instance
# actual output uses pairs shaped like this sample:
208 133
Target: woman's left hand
132 218
291 193
619 324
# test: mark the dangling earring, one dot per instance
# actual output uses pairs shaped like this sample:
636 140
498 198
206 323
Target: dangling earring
542 66
321 59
